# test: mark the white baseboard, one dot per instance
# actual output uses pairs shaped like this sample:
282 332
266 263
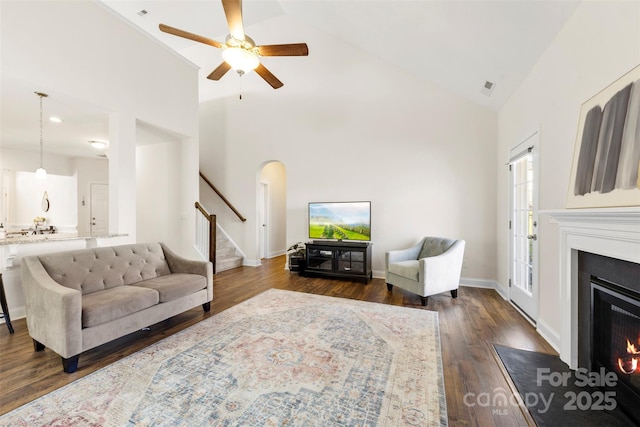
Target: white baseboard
377 274
464 281
251 262
550 335
503 291
16 313
478 283
277 253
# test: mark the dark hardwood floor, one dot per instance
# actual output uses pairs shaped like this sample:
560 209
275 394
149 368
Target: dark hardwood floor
469 325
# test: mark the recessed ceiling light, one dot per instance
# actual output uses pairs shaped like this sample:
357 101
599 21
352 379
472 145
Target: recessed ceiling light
99 145
55 119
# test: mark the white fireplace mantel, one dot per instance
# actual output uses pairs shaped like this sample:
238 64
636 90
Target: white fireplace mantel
611 232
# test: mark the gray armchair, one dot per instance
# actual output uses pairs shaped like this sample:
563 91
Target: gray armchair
430 267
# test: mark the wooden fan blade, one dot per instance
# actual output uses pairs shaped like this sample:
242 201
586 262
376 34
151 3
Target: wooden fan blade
292 49
233 12
268 77
219 72
187 35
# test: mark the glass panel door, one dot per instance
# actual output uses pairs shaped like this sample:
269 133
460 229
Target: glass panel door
523 230
522 223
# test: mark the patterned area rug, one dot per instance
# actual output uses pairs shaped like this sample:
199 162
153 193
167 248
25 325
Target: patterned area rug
281 358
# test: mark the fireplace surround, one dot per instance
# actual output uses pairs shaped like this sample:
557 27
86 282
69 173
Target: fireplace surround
599 257
610 232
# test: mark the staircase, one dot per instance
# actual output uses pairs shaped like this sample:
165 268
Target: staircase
225 251
226 257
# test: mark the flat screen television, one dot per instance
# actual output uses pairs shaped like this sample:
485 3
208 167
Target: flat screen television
340 221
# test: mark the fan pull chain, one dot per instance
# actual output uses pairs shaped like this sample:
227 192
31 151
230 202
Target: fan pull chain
241 88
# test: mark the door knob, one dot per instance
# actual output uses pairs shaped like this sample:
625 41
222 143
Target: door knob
532 237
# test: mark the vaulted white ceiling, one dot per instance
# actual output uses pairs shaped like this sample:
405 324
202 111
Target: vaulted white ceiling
455 44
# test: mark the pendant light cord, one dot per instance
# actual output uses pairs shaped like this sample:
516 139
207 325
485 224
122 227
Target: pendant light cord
41 138
41 173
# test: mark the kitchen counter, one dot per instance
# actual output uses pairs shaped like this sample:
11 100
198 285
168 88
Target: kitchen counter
55 237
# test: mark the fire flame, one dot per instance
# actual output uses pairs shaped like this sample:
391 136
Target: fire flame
628 364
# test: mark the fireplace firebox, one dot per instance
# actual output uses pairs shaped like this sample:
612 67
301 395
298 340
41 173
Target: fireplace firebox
609 312
615 341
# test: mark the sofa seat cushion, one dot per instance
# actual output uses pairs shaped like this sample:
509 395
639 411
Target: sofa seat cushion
115 303
174 286
408 269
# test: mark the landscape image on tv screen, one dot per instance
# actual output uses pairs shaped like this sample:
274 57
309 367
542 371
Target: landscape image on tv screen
340 220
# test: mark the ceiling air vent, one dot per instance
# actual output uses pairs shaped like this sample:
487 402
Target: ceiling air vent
488 87
142 12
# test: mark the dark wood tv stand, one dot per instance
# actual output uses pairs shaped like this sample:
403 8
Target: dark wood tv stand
347 260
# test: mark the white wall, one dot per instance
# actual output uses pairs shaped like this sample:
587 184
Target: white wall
86 51
158 193
599 43
365 130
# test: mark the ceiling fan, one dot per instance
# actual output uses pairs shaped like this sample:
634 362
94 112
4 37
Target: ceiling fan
239 50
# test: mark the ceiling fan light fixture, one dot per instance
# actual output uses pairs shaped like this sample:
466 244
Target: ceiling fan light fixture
241 60
98 145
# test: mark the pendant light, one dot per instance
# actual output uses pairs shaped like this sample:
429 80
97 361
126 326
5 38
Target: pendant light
41 173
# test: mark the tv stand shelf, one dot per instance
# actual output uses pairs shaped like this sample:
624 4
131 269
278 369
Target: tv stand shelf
349 260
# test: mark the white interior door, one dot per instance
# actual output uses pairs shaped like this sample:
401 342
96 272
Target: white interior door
263 220
523 237
99 209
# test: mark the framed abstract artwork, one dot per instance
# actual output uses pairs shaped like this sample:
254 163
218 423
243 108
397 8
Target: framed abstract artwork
607 150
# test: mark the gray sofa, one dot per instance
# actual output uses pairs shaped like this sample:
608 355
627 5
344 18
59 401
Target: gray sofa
78 300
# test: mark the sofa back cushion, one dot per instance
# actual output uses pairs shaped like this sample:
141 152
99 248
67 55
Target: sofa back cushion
434 246
92 270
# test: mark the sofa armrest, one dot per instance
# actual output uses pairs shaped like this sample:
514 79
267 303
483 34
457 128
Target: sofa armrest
178 264
54 312
442 272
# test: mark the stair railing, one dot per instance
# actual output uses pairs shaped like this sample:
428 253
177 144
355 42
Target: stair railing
206 234
224 199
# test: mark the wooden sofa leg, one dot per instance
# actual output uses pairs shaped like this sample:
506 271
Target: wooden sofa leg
389 286
71 364
425 301
37 346
206 307
454 293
